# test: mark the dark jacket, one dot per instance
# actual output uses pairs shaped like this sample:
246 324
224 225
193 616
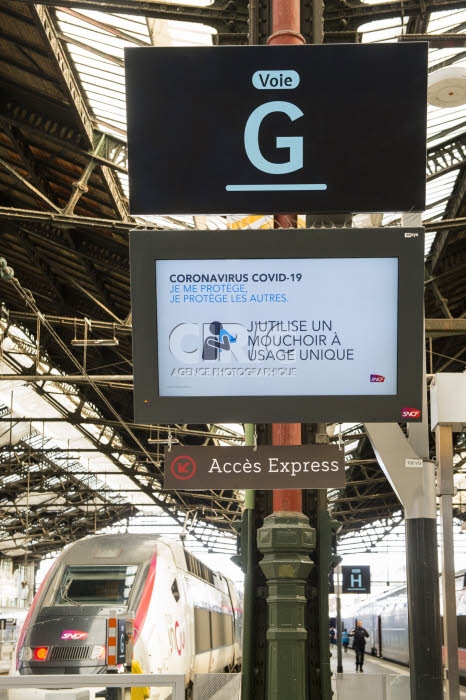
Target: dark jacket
359 635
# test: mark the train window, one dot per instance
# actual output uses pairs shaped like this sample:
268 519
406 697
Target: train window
222 629
175 590
96 585
202 630
212 629
198 568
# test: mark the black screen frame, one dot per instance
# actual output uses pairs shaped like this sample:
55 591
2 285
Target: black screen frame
406 244
364 139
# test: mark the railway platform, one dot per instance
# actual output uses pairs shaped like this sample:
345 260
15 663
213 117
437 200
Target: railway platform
380 680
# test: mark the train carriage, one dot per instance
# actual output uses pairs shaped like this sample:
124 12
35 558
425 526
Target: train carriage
385 616
187 618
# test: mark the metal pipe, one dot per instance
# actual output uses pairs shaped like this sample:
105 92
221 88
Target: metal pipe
444 448
287 499
339 625
286 24
68 378
249 627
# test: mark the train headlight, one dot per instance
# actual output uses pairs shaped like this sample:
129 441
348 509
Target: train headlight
40 653
98 652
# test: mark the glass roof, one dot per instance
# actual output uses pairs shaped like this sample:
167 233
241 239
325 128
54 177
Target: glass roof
96 42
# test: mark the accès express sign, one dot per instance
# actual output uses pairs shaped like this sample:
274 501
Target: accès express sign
266 467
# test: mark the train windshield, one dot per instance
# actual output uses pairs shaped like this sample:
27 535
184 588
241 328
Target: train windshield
96 585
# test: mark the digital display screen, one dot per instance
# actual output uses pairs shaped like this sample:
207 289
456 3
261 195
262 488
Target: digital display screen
260 130
298 327
277 326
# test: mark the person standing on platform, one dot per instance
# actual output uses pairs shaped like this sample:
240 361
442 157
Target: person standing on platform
345 640
359 634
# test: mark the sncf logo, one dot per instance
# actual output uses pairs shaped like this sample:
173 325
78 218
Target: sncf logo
377 378
74 635
408 413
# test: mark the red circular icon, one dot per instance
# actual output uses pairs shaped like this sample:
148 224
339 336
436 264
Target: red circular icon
183 467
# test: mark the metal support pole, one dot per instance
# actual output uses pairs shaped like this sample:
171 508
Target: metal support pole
423 609
415 487
287 499
444 445
249 637
286 540
327 560
339 630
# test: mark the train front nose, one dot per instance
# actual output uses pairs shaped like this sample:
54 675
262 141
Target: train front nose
62 640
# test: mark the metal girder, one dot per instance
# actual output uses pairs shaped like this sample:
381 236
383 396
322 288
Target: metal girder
112 152
441 300
79 105
456 199
418 23
444 224
442 327
445 157
415 488
220 16
97 282
28 185
33 474
114 257
360 13
439 41
14 214
34 176
215 509
47 274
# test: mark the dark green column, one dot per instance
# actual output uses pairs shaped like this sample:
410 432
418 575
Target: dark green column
286 540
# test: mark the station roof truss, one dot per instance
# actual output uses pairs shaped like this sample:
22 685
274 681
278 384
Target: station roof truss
72 461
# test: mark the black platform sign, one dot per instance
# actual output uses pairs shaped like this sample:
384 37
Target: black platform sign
277 128
356 579
283 467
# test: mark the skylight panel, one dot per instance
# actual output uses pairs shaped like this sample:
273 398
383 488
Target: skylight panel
445 130
93 65
90 81
441 186
129 24
110 100
442 22
381 30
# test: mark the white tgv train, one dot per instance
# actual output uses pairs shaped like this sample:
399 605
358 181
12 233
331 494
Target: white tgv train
187 618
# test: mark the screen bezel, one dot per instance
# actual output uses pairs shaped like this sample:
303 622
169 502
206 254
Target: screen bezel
146 247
